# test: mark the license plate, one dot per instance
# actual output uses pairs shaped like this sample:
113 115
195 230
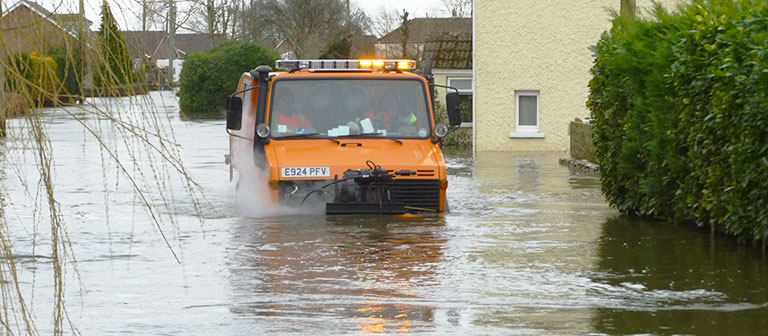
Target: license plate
305 172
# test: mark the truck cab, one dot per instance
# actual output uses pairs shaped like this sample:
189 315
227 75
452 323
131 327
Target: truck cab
344 136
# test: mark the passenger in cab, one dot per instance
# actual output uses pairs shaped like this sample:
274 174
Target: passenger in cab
394 114
289 119
352 109
382 114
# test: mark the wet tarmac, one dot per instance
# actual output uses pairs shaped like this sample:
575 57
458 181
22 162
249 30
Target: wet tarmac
530 248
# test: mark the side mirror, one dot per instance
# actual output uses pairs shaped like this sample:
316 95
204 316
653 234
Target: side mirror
452 104
234 113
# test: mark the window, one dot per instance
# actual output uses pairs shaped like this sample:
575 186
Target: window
464 85
527 103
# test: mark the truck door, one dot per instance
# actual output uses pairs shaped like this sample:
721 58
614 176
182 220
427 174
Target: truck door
241 145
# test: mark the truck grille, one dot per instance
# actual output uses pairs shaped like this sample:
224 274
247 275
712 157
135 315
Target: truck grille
416 193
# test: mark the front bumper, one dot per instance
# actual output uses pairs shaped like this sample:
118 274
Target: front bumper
402 196
365 208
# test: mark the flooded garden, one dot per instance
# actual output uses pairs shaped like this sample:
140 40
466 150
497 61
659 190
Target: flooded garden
529 248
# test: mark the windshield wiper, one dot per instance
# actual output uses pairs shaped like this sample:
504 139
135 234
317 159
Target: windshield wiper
375 135
305 135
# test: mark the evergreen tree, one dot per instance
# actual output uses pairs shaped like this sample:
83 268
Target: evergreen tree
118 64
339 49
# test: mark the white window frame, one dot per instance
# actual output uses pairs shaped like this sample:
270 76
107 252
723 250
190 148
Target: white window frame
527 128
465 91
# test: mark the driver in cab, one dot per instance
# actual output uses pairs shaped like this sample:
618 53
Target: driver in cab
289 120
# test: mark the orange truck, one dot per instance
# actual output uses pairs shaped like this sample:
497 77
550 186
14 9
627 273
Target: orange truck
346 136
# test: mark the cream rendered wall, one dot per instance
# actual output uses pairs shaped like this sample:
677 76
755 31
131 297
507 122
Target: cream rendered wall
541 46
440 92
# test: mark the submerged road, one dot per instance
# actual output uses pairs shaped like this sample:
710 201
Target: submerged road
529 249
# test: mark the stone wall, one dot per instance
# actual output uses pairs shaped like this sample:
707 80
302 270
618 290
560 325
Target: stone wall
461 137
582 147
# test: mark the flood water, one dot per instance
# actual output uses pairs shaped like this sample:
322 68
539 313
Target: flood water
530 248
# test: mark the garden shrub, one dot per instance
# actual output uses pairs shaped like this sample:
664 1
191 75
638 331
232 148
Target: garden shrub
208 78
37 80
680 115
68 65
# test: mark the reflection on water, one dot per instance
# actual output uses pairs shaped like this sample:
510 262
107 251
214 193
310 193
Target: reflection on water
365 273
529 248
669 278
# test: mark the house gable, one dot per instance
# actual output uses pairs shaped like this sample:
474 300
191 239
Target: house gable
29 27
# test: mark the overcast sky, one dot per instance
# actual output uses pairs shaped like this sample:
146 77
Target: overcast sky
128 12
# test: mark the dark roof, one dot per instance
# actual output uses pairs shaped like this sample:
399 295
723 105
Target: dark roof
157 44
419 29
369 39
449 51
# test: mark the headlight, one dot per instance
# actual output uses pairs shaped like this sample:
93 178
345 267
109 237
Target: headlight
262 130
441 130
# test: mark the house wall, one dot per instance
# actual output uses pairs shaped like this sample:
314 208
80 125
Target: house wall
178 64
540 46
25 32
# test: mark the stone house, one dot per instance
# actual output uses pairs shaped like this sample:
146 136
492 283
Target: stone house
531 69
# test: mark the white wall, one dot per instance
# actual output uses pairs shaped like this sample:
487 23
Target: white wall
177 64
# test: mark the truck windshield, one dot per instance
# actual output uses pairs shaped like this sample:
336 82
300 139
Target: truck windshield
349 108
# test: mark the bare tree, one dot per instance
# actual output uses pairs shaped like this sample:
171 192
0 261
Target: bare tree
400 44
406 30
385 21
628 7
157 15
215 17
310 26
458 8
2 80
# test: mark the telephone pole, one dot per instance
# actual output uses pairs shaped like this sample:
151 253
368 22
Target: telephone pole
143 29
348 13
81 37
171 36
628 7
2 77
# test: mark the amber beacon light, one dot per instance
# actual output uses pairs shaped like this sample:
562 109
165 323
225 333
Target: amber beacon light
363 64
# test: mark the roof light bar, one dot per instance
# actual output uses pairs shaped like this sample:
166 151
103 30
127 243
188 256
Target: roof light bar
375 64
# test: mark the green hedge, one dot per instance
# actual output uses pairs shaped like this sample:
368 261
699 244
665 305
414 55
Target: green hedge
68 65
33 76
208 78
680 115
